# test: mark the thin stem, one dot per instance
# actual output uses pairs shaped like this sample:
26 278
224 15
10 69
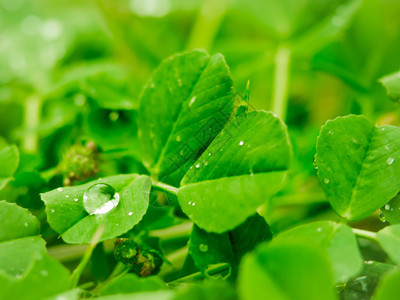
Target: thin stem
76 274
214 270
365 234
176 260
281 81
207 24
165 187
174 232
32 112
119 271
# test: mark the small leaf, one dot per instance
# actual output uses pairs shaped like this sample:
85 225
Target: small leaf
389 239
339 242
358 165
286 271
9 160
388 287
210 248
392 85
67 215
16 222
186 103
131 283
242 168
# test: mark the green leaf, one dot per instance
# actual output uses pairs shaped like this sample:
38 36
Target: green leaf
207 290
363 286
389 287
392 85
391 210
44 272
17 222
9 160
337 239
284 272
183 107
158 295
358 165
210 248
242 168
131 283
389 239
67 215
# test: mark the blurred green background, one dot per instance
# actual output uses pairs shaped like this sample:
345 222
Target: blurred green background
72 71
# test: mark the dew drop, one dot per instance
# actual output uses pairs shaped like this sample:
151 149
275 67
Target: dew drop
44 273
326 180
66 196
194 203
387 206
52 210
76 199
190 202
331 132
26 224
390 160
241 143
192 101
198 166
113 116
209 153
100 198
178 138
130 213
60 189
319 229
203 247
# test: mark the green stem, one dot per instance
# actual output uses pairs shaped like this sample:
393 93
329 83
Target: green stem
174 232
76 274
365 234
207 24
32 112
281 81
214 270
165 187
119 271
176 260
50 173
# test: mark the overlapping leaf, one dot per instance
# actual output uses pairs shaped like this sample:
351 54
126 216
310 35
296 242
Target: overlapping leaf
339 242
182 108
358 165
241 169
9 159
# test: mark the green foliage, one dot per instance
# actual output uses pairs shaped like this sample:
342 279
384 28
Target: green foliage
136 164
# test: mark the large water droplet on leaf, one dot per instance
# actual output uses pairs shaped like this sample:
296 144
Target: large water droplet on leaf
100 199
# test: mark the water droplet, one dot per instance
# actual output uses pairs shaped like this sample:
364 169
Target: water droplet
194 203
390 160
26 224
382 217
190 202
179 82
130 213
203 247
192 101
100 199
383 128
326 180
76 199
209 153
52 210
60 189
178 138
331 132
369 262
198 166
113 116
66 196
241 143
251 174
387 147
319 229
387 206
191 167
44 273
